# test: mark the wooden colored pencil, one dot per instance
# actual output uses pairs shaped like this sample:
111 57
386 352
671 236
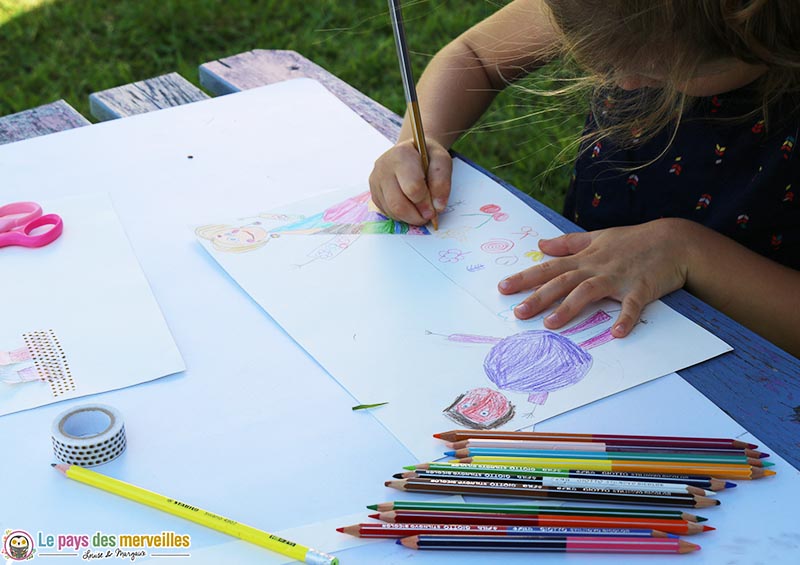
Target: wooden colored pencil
414 114
522 490
608 455
743 472
701 481
565 544
390 530
617 439
566 510
626 485
679 527
599 446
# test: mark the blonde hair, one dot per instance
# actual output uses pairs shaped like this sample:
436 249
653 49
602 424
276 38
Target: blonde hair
213 232
677 37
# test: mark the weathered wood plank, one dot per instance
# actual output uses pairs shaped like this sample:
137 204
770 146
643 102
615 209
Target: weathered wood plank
49 118
144 96
260 67
757 384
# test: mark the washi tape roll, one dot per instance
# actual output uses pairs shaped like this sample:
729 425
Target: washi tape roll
88 435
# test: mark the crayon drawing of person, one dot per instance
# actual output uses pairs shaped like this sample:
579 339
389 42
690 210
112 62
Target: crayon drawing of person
235 239
538 362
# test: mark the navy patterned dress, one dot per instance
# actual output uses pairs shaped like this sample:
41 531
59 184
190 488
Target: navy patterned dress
738 178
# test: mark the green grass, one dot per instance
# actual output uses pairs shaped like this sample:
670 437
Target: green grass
71 48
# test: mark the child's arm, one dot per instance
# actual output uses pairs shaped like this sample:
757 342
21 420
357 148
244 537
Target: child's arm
456 88
639 264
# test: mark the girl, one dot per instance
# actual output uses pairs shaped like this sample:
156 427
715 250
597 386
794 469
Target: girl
687 174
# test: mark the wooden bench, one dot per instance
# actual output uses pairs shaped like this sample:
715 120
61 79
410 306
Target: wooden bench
757 384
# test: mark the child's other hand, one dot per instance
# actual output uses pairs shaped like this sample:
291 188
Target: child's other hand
635 265
398 182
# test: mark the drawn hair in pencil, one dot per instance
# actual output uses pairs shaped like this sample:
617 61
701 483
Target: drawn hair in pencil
235 239
538 362
481 409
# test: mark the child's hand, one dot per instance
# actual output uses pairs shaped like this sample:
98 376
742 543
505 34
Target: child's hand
635 265
398 183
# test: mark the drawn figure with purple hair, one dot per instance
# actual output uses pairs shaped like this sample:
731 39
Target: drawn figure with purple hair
538 362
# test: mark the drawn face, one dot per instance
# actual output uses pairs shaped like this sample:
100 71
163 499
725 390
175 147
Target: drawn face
481 408
243 236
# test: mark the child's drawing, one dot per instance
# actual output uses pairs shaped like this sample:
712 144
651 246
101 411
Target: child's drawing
534 255
491 212
235 239
526 231
497 245
452 255
476 267
330 248
538 362
506 260
459 234
480 409
356 215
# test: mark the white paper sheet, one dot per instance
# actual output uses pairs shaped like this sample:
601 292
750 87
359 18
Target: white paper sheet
78 315
413 317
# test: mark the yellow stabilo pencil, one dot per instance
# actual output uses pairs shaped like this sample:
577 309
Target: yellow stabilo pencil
197 515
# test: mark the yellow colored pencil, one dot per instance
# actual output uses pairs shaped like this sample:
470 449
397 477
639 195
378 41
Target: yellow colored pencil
197 515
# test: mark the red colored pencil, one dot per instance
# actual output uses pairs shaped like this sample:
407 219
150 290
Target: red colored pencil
567 544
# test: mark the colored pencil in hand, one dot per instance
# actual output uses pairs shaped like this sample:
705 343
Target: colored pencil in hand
566 544
411 94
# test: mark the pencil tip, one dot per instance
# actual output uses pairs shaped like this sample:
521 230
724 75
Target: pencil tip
372 507
768 464
399 541
410 467
701 519
387 483
763 455
437 436
716 502
769 473
709 528
398 475
340 529
729 484
52 464
376 516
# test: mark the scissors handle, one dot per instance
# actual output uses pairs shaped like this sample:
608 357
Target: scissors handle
18 214
24 238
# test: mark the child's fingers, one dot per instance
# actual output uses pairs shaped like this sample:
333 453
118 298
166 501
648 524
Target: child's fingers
547 294
535 276
412 183
632 305
398 206
584 293
568 244
440 173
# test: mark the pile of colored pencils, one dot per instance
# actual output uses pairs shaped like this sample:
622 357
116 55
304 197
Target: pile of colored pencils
581 468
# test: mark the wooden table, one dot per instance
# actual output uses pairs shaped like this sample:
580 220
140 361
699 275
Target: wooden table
757 384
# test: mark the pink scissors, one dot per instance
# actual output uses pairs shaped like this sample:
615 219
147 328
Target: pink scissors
19 219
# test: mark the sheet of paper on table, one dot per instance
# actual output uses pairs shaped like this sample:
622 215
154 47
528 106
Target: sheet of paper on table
78 315
412 317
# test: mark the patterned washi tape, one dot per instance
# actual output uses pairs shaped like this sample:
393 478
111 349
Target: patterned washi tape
88 435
